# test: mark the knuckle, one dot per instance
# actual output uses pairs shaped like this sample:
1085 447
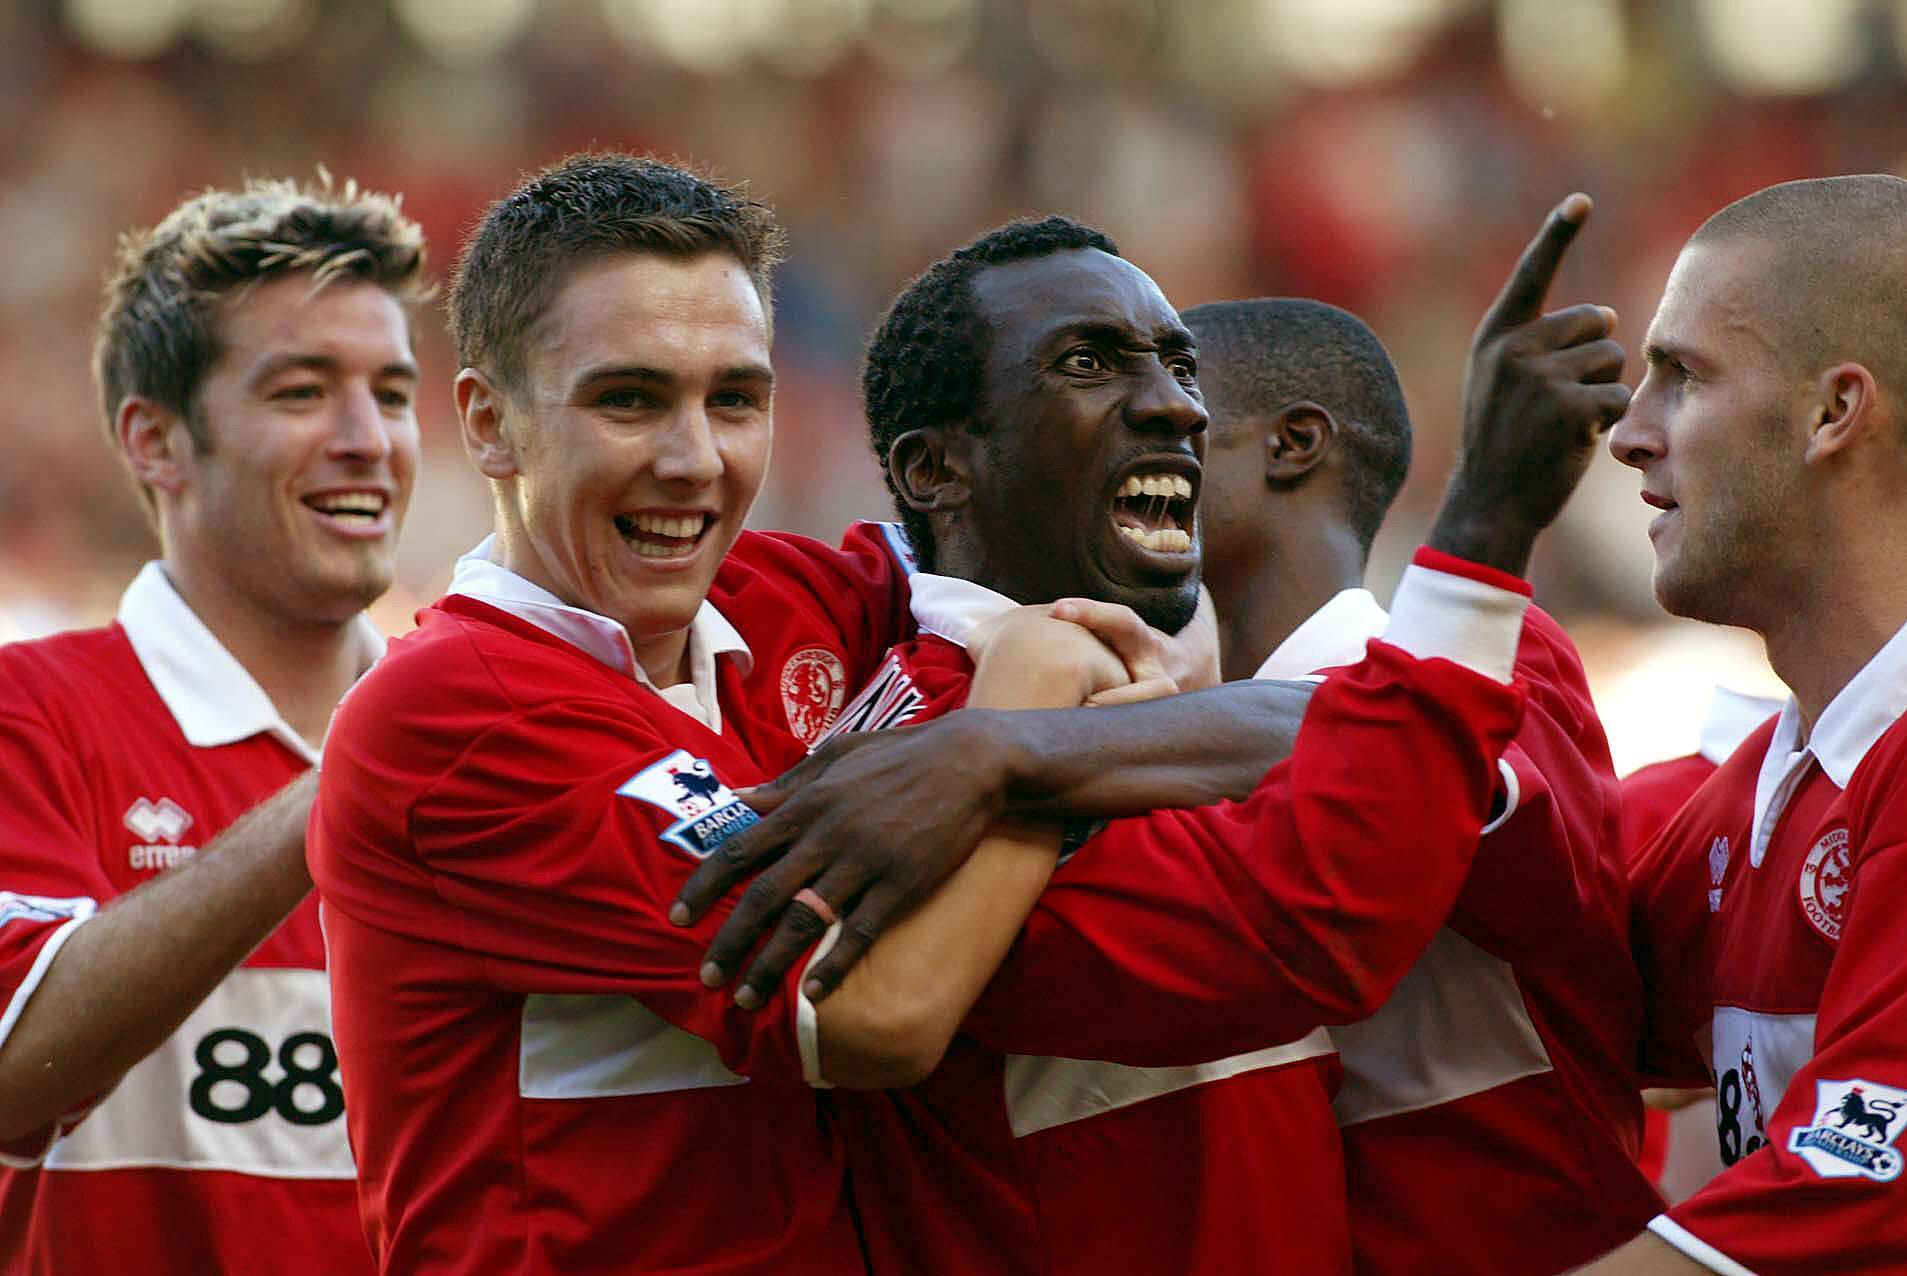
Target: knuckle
802 922
859 932
762 894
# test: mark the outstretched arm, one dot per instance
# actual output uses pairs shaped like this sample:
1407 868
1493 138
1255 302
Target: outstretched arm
122 981
899 1007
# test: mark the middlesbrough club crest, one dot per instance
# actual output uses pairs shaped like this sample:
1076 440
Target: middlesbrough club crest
1824 882
813 687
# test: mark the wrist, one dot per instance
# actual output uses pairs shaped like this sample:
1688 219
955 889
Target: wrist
1000 753
1493 540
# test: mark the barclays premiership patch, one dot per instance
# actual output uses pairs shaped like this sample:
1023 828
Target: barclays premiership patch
706 812
1853 1132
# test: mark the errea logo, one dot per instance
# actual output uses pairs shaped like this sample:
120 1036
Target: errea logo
158 826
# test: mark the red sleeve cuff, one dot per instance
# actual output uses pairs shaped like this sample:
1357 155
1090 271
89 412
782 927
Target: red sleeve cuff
1437 560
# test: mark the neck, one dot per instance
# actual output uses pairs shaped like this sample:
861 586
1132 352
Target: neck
1829 627
664 659
1263 596
304 667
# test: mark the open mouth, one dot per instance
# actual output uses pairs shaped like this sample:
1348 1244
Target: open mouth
1153 510
664 535
361 510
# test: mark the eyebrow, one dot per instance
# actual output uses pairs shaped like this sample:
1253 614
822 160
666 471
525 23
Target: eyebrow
278 363
1170 338
664 377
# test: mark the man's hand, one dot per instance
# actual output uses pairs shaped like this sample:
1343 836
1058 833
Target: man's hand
1538 391
1158 664
935 789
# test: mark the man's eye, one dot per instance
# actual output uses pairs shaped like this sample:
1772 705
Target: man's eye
1184 369
626 399
296 392
734 399
1083 359
398 399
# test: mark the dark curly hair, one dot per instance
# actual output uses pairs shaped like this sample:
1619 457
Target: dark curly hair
588 205
926 362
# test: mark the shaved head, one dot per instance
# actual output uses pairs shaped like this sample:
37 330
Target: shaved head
1833 278
1260 355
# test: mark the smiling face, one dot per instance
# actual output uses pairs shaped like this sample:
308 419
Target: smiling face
294 505
1716 427
1085 479
637 441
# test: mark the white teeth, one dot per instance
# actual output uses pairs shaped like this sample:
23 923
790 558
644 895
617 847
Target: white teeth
1164 540
1170 485
371 503
679 527
648 549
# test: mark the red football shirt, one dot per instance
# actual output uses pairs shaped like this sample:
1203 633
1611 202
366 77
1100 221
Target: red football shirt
1765 926
1190 941
1489 1116
538 1080
1651 795
126 749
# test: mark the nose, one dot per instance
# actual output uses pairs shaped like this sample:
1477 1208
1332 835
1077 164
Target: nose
1161 403
1637 438
687 452
362 428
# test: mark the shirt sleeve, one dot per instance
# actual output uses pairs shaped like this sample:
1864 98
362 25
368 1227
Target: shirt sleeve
51 880
554 848
1827 1193
1672 935
860 587
1195 935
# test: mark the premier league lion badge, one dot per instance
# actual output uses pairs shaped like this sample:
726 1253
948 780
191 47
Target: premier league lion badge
707 813
1855 1125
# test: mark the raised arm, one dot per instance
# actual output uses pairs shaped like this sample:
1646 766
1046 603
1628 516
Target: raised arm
1540 388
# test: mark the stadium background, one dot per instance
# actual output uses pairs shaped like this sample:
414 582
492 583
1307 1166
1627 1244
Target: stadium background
1387 155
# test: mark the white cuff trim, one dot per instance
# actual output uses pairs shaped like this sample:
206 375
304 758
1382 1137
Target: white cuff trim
807 1023
1439 614
1695 1247
1512 794
41 960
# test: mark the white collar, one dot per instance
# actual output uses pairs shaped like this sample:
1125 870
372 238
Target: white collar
212 697
1333 635
480 577
1856 717
1732 717
951 608
1846 730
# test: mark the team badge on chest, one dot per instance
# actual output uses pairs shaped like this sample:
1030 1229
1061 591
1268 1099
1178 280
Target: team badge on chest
707 813
1853 1132
813 687
1824 883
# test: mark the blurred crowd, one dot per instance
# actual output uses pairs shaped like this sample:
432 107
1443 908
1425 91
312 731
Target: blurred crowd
1386 155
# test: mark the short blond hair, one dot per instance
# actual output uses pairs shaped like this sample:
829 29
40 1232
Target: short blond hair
157 337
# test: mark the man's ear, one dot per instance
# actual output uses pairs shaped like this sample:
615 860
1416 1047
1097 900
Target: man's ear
155 441
1846 410
1297 439
930 468
488 438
